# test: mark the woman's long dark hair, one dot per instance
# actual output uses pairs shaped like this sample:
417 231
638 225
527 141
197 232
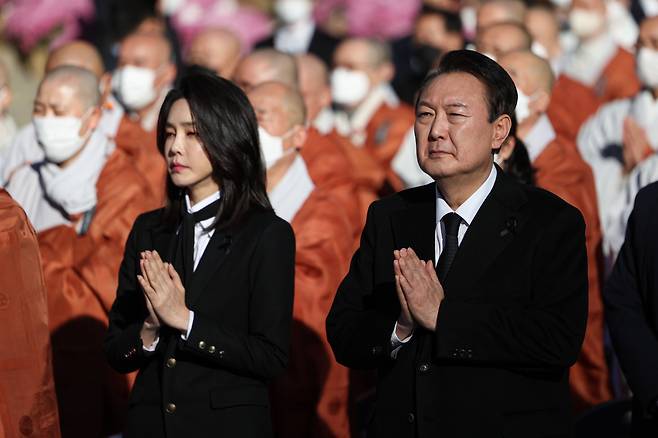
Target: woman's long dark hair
226 124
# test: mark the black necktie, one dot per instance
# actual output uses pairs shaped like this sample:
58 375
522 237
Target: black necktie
451 221
184 258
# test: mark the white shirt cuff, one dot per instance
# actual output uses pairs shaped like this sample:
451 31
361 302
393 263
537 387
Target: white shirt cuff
397 343
153 345
190 321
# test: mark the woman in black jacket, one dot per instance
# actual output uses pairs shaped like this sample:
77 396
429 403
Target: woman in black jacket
204 304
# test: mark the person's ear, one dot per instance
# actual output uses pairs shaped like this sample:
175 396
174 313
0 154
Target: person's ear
501 128
386 72
5 99
540 103
507 149
105 86
91 122
166 77
298 137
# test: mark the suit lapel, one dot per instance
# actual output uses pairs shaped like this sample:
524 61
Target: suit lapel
415 226
491 231
212 259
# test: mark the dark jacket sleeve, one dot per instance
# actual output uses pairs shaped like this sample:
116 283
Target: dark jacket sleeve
123 344
359 325
628 295
545 331
262 352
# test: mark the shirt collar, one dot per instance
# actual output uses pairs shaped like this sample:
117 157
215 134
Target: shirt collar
201 204
540 136
471 206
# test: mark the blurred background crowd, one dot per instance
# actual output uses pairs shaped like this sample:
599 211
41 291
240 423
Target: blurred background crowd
333 84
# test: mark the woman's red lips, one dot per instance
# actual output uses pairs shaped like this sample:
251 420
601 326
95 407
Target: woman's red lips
176 167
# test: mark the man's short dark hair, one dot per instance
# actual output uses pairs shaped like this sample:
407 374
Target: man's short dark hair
500 89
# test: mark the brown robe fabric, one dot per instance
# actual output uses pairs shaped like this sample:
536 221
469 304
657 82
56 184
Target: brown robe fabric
311 399
330 169
572 102
81 278
141 146
28 405
385 133
561 170
367 173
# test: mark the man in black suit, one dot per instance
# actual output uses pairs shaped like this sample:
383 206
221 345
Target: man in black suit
481 346
631 305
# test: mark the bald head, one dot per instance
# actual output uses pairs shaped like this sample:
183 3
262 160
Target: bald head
503 38
499 11
266 65
145 50
78 54
216 49
278 107
373 51
313 84
529 71
67 90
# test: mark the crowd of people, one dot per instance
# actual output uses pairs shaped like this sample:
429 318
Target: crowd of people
333 86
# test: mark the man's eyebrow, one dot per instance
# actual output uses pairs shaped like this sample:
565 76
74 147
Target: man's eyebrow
457 105
425 103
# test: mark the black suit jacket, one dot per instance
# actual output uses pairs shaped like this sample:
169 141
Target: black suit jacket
511 324
631 304
241 293
322 45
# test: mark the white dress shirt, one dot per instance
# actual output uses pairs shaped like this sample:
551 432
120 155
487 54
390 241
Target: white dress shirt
467 211
202 236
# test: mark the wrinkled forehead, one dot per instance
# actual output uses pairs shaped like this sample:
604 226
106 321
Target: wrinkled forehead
456 88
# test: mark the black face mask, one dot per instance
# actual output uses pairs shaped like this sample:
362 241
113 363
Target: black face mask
423 57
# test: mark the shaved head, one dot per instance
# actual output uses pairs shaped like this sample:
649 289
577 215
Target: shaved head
266 65
145 50
502 38
216 49
81 81
313 84
376 53
276 94
529 68
499 11
79 54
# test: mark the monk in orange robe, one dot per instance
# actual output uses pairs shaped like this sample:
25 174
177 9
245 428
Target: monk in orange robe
28 405
311 399
330 164
371 117
145 74
561 170
599 64
82 201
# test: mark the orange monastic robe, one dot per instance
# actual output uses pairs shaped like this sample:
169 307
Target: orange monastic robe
311 399
81 278
28 405
330 169
561 170
384 135
141 147
573 102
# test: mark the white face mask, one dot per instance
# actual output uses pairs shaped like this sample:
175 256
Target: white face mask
59 136
134 86
585 23
293 11
271 147
647 67
349 87
522 106
539 50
